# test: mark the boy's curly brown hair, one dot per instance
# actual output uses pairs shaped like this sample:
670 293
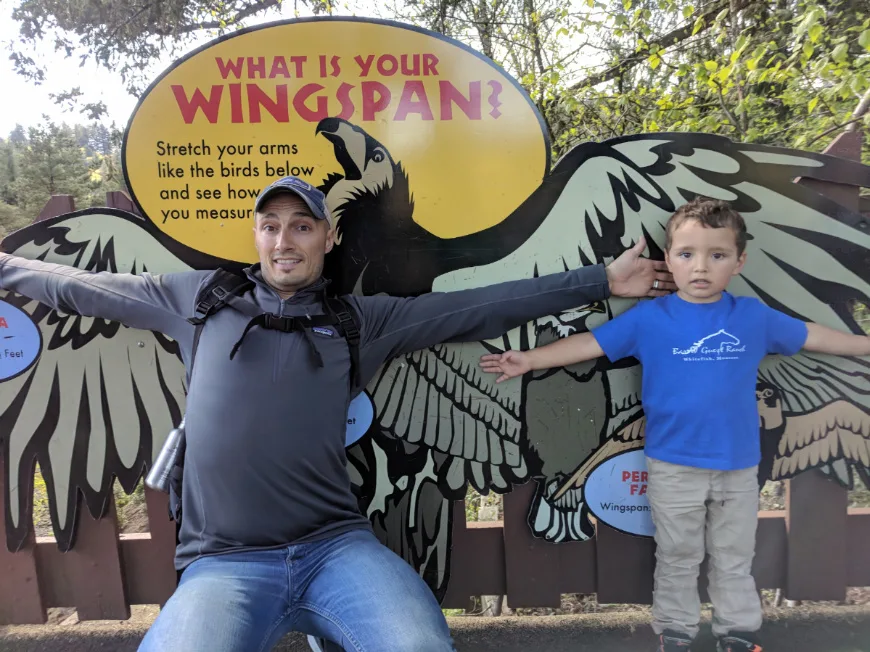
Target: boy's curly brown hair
712 213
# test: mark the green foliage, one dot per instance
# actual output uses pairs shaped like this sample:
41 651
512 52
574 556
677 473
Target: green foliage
11 219
82 160
8 170
483 508
41 509
127 505
785 74
51 163
781 72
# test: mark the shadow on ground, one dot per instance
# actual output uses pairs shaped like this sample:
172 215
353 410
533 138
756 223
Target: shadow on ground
802 629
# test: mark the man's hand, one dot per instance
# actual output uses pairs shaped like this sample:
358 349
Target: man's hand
509 364
633 276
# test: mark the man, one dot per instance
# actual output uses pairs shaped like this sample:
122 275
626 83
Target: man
271 537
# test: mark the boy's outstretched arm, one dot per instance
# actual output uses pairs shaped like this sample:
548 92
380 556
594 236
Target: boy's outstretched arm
828 340
573 349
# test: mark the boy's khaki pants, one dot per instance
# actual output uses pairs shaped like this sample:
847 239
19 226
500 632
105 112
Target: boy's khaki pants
697 511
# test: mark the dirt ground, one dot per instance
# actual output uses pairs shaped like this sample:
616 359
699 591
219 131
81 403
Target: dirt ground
814 628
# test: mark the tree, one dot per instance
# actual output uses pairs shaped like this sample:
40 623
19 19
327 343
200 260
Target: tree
11 219
105 175
8 172
125 37
51 162
771 72
95 138
82 160
787 72
17 136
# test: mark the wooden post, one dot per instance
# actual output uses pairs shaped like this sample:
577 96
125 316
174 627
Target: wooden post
57 205
121 200
857 550
816 507
477 560
21 600
625 566
94 567
532 564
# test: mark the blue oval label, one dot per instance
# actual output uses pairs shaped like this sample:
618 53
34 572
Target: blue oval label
360 413
616 493
20 341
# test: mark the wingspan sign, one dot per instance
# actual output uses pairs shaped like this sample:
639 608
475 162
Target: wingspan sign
222 122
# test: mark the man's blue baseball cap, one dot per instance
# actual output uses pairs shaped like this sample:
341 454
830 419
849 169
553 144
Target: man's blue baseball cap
314 199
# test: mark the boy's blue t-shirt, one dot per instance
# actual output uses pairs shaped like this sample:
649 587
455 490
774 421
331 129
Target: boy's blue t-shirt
700 365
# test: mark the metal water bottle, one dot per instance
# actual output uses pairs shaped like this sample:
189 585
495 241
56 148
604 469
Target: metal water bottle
158 476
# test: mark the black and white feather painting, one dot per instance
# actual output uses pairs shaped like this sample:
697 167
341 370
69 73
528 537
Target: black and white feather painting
101 397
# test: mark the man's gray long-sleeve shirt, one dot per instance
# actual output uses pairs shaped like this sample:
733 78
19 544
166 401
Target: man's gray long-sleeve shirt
265 464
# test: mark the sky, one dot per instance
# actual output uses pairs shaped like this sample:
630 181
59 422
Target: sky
26 101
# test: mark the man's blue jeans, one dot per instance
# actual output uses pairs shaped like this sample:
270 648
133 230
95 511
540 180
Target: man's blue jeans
349 589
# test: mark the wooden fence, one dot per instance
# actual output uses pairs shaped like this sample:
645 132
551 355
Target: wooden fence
813 550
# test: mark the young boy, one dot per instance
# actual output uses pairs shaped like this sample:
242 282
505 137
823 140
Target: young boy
700 349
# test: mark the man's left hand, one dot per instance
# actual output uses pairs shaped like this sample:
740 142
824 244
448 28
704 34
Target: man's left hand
633 276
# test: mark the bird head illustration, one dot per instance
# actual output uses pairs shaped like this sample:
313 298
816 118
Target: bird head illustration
371 203
369 180
769 406
381 249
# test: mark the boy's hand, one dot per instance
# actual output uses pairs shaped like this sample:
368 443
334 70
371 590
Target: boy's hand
510 364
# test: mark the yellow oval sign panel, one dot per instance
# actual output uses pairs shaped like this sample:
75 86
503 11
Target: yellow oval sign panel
348 105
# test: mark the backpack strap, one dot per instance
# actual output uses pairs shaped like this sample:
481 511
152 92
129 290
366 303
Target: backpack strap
338 313
348 325
223 287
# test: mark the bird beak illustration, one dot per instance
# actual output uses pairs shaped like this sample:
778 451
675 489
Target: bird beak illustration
349 143
367 166
770 413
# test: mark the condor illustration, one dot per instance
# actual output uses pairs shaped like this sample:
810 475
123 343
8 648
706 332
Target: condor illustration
806 256
440 424
100 399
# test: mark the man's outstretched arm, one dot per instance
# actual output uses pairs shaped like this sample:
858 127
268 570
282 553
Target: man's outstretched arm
395 326
152 302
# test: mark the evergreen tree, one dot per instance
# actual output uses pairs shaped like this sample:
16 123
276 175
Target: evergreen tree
51 163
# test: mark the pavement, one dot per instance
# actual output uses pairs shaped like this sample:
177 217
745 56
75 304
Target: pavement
799 629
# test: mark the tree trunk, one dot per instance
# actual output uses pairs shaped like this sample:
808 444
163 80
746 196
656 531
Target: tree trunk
484 27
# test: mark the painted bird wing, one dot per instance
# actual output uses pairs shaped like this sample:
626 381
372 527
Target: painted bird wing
807 256
835 434
102 397
822 395
404 503
619 190
438 398
440 423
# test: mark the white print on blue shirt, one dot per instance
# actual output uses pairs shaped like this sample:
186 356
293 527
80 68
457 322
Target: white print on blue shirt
700 369
721 344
